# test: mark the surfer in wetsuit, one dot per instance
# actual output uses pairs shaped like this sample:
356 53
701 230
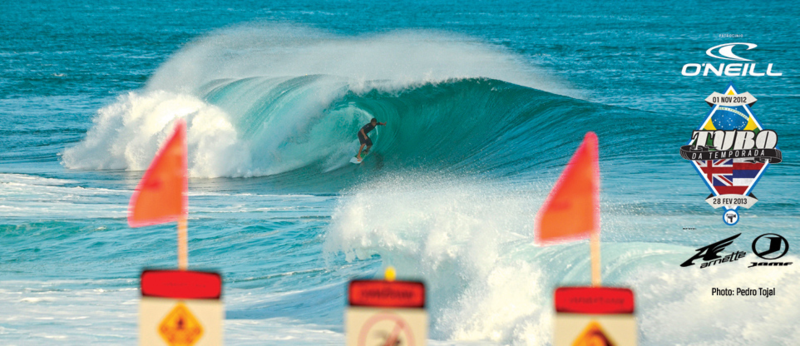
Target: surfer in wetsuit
364 139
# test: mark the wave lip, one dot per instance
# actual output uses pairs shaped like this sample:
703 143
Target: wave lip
402 58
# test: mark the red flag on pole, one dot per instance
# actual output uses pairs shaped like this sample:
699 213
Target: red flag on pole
572 210
161 194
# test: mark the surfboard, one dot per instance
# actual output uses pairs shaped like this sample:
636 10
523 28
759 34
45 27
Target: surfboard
355 159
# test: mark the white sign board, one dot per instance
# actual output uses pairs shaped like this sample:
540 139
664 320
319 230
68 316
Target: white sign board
594 316
386 313
180 308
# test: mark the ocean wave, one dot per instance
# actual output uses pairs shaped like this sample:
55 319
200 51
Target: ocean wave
265 101
265 126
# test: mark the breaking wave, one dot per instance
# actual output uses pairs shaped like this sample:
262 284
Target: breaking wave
262 101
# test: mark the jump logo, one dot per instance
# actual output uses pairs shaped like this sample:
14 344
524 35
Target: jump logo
730 150
725 52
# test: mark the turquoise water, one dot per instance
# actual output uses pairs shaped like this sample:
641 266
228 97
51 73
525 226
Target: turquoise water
485 103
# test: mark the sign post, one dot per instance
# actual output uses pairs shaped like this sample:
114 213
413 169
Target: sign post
585 316
386 313
180 308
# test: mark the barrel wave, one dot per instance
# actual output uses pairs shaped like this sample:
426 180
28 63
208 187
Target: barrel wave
464 124
260 126
456 105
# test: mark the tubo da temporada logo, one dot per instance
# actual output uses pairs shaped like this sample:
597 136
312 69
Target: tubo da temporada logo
730 150
734 64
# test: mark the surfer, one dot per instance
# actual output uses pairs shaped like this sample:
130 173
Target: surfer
364 139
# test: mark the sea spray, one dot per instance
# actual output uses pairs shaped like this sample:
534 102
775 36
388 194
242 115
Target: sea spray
403 58
127 134
453 234
471 241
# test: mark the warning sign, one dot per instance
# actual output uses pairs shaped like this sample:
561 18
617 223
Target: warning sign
593 335
386 313
180 308
386 327
180 327
594 316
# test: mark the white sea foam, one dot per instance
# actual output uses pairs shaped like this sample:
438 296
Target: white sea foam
455 235
676 305
127 134
48 312
33 196
472 244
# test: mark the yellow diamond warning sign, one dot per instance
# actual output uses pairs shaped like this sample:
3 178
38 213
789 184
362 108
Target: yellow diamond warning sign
593 335
180 327
180 307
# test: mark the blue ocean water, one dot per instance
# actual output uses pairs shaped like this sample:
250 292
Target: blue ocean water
485 103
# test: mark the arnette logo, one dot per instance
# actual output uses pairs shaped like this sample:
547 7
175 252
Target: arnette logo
725 52
710 254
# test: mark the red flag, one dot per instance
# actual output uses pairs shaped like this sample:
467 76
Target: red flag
161 194
572 210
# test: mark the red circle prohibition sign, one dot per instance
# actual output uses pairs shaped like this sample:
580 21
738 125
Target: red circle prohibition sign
400 327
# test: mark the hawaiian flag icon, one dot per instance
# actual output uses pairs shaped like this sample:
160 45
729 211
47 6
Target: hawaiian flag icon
730 176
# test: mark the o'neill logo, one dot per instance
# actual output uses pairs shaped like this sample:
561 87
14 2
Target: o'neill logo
730 150
725 52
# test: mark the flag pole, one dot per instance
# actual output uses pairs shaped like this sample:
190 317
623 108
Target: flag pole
594 243
183 247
